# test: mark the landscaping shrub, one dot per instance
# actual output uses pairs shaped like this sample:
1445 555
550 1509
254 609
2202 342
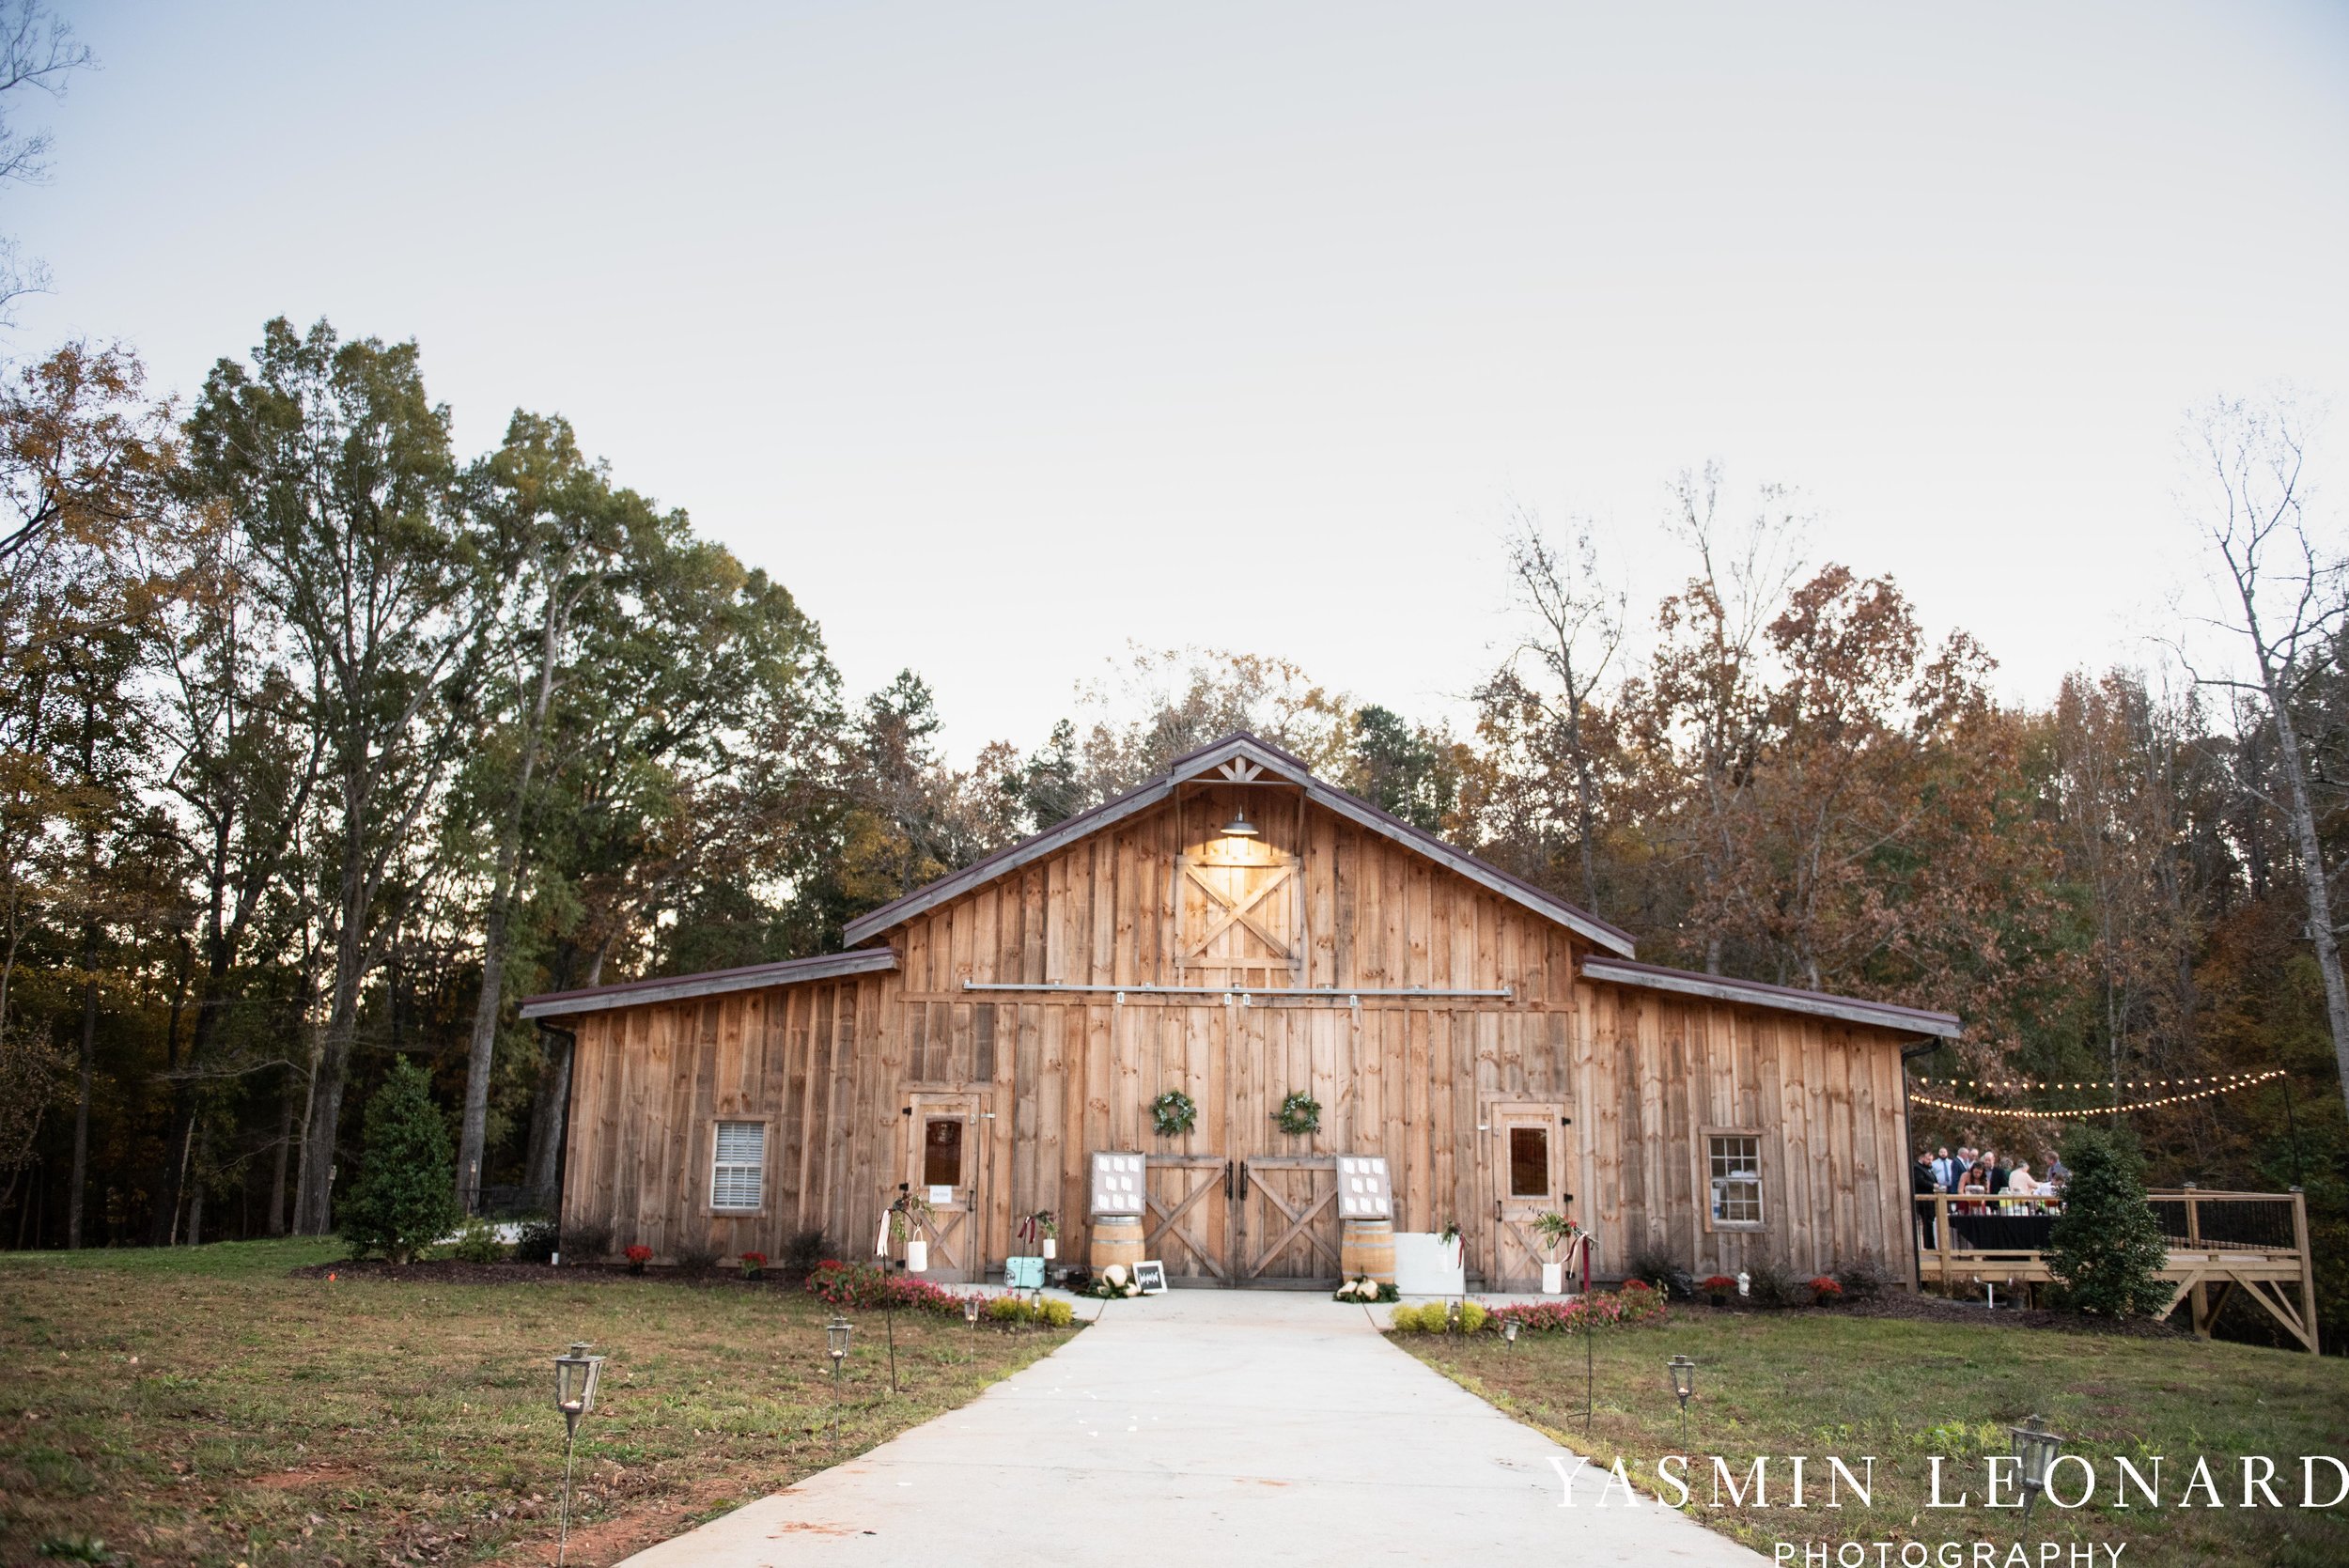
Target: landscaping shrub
477 1242
1017 1311
1862 1280
1660 1269
405 1198
537 1241
1773 1285
862 1287
1635 1304
803 1251
2107 1251
586 1242
697 1259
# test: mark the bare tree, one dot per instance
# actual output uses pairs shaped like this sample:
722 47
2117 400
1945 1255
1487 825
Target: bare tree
1579 632
2281 589
36 49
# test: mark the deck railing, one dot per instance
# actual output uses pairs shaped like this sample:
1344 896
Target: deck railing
2221 1241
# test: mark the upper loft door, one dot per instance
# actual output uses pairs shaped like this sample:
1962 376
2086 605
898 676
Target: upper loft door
1239 892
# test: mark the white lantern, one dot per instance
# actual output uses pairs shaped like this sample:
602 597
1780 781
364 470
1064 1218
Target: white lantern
1052 1247
917 1256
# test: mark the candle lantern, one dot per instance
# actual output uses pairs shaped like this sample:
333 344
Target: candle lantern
2034 1450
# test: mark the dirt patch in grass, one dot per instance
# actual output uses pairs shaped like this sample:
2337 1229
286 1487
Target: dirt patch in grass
234 1404
1915 1307
449 1271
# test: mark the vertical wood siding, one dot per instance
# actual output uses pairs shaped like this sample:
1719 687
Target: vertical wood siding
829 1065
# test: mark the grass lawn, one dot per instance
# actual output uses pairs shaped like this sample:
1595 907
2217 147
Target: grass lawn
1901 1390
203 1405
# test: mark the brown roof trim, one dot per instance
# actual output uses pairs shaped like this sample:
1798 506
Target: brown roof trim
1755 993
680 987
1237 746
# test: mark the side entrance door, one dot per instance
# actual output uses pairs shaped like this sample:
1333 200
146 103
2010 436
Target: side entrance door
946 1165
1525 1169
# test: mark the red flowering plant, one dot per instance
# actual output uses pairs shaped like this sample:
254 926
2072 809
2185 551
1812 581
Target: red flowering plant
860 1286
754 1264
1717 1286
1623 1309
1826 1290
638 1255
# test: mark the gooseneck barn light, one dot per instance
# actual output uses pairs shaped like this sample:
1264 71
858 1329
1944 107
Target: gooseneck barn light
1239 827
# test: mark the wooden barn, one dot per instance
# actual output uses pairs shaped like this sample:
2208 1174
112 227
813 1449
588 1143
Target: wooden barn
1239 931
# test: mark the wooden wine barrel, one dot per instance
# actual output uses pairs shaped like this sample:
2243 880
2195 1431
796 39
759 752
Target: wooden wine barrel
1368 1249
1116 1240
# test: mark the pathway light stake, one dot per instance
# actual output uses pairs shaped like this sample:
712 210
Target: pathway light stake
2034 1450
1683 1372
575 1379
971 1310
1590 1324
1509 1332
836 1334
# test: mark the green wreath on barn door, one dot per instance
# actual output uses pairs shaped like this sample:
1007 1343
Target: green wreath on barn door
1173 1113
1299 1113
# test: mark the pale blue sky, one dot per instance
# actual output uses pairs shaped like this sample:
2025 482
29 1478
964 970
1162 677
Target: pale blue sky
1004 334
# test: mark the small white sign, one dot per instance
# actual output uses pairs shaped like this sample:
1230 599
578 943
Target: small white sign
1150 1274
942 1195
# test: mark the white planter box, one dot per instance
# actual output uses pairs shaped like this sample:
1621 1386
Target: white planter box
1553 1279
1424 1265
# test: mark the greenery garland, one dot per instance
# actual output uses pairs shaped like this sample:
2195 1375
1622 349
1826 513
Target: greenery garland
1299 1113
1173 1112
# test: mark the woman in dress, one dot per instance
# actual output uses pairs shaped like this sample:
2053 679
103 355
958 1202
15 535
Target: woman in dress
1974 1185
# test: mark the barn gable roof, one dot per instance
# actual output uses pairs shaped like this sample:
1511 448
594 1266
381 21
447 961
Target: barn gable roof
1755 993
1239 758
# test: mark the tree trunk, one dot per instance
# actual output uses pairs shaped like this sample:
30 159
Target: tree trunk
81 1113
2312 878
313 1199
550 1107
195 1193
276 1224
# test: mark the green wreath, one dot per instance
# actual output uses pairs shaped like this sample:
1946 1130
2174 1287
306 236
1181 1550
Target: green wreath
1173 1112
1299 1113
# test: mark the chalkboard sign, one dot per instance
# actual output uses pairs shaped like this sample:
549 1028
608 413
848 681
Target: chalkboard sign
1150 1274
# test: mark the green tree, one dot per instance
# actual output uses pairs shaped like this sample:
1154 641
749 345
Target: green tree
2107 1249
404 1199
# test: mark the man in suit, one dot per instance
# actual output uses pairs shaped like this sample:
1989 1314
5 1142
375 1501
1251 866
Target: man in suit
1945 1169
1996 1174
1923 1182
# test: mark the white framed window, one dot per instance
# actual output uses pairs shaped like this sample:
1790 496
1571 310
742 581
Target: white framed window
1733 1162
738 1167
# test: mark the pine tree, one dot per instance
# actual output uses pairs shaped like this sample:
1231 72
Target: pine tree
2107 1248
404 1199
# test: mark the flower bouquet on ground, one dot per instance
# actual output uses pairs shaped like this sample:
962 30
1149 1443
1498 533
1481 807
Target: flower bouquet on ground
1718 1288
638 1255
1364 1288
754 1264
1114 1281
1826 1291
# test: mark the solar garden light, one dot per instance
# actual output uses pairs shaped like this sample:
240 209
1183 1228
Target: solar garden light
1509 1332
836 1334
1683 1372
575 1379
2034 1450
971 1309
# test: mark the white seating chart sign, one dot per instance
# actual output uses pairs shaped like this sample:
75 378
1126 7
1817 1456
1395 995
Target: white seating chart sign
1363 1191
1119 1187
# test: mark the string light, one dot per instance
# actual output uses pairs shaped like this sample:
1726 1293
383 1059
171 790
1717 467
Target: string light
2096 1085
2076 1113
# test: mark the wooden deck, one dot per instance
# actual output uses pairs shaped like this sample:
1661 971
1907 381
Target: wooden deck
2220 1243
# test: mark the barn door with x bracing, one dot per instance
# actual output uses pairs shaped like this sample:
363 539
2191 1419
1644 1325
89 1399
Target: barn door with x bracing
945 1164
1187 1224
1289 1220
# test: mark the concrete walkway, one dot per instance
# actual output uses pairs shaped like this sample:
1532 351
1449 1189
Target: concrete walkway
1206 1426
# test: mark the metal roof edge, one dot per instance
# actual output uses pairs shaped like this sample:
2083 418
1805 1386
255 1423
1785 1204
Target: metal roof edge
1757 993
638 993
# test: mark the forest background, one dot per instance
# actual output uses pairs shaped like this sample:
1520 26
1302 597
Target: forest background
322 742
